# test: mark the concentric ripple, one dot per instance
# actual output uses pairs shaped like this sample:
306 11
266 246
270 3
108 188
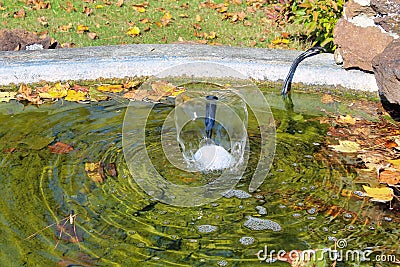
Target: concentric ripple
118 224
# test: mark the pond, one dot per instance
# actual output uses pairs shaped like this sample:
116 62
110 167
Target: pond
81 207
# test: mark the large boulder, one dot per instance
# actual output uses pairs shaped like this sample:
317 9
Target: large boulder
358 44
387 72
366 28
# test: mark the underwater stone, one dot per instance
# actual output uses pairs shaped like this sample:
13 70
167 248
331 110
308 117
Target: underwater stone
297 215
222 263
261 224
261 210
206 228
312 211
246 240
236 193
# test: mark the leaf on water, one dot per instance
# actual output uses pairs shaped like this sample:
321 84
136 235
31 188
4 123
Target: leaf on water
28 94
60 148
73 95
327 99
390 177
94 171
346 147
133 31
112 88
382 194
80 88
7 96
59 90
346 120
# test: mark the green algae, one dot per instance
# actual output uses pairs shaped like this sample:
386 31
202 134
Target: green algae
119 224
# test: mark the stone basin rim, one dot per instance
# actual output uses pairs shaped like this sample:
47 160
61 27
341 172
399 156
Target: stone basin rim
90 63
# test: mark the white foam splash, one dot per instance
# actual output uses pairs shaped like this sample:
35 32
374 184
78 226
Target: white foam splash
212 157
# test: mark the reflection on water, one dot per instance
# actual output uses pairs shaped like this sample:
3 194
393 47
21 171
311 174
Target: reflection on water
298 207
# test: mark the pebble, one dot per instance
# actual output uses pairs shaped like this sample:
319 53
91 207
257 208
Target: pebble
246 240
236 193
206 228
261 224
261 210
222 263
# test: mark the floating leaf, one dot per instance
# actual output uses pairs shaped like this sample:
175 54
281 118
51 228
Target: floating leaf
327 99
94 172
96 95
133 31
113 88
389 177
73 95
7 96
57 91
60 148
346 119
382 194
28 94
346 147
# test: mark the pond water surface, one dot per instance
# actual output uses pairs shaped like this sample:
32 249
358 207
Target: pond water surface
298 207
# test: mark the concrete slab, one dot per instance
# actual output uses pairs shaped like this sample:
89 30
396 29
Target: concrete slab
145 60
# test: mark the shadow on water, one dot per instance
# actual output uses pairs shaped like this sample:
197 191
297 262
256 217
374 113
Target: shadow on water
118 223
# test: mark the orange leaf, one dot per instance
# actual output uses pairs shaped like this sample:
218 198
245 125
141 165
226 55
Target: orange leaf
60 148
20 13
389 177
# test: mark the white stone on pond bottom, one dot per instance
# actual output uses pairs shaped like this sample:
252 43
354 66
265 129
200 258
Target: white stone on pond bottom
261 224
206 228
213 157
236 193
246 240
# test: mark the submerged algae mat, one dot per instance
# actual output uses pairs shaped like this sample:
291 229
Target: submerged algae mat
301 205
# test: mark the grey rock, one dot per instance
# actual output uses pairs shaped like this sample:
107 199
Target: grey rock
386 6
387 72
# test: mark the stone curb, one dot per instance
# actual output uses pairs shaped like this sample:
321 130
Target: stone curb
146 60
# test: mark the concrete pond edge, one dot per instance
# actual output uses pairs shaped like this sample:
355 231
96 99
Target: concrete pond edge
122 61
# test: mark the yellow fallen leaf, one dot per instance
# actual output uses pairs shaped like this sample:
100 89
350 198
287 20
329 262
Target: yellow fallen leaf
73 95
82 28
113 88
133 31
347 119
94 171
346 147
212 35
395 163
177 92
139 9
99 6
382 194
57 91
7 96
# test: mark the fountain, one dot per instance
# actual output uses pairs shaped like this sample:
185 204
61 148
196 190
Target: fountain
205 133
